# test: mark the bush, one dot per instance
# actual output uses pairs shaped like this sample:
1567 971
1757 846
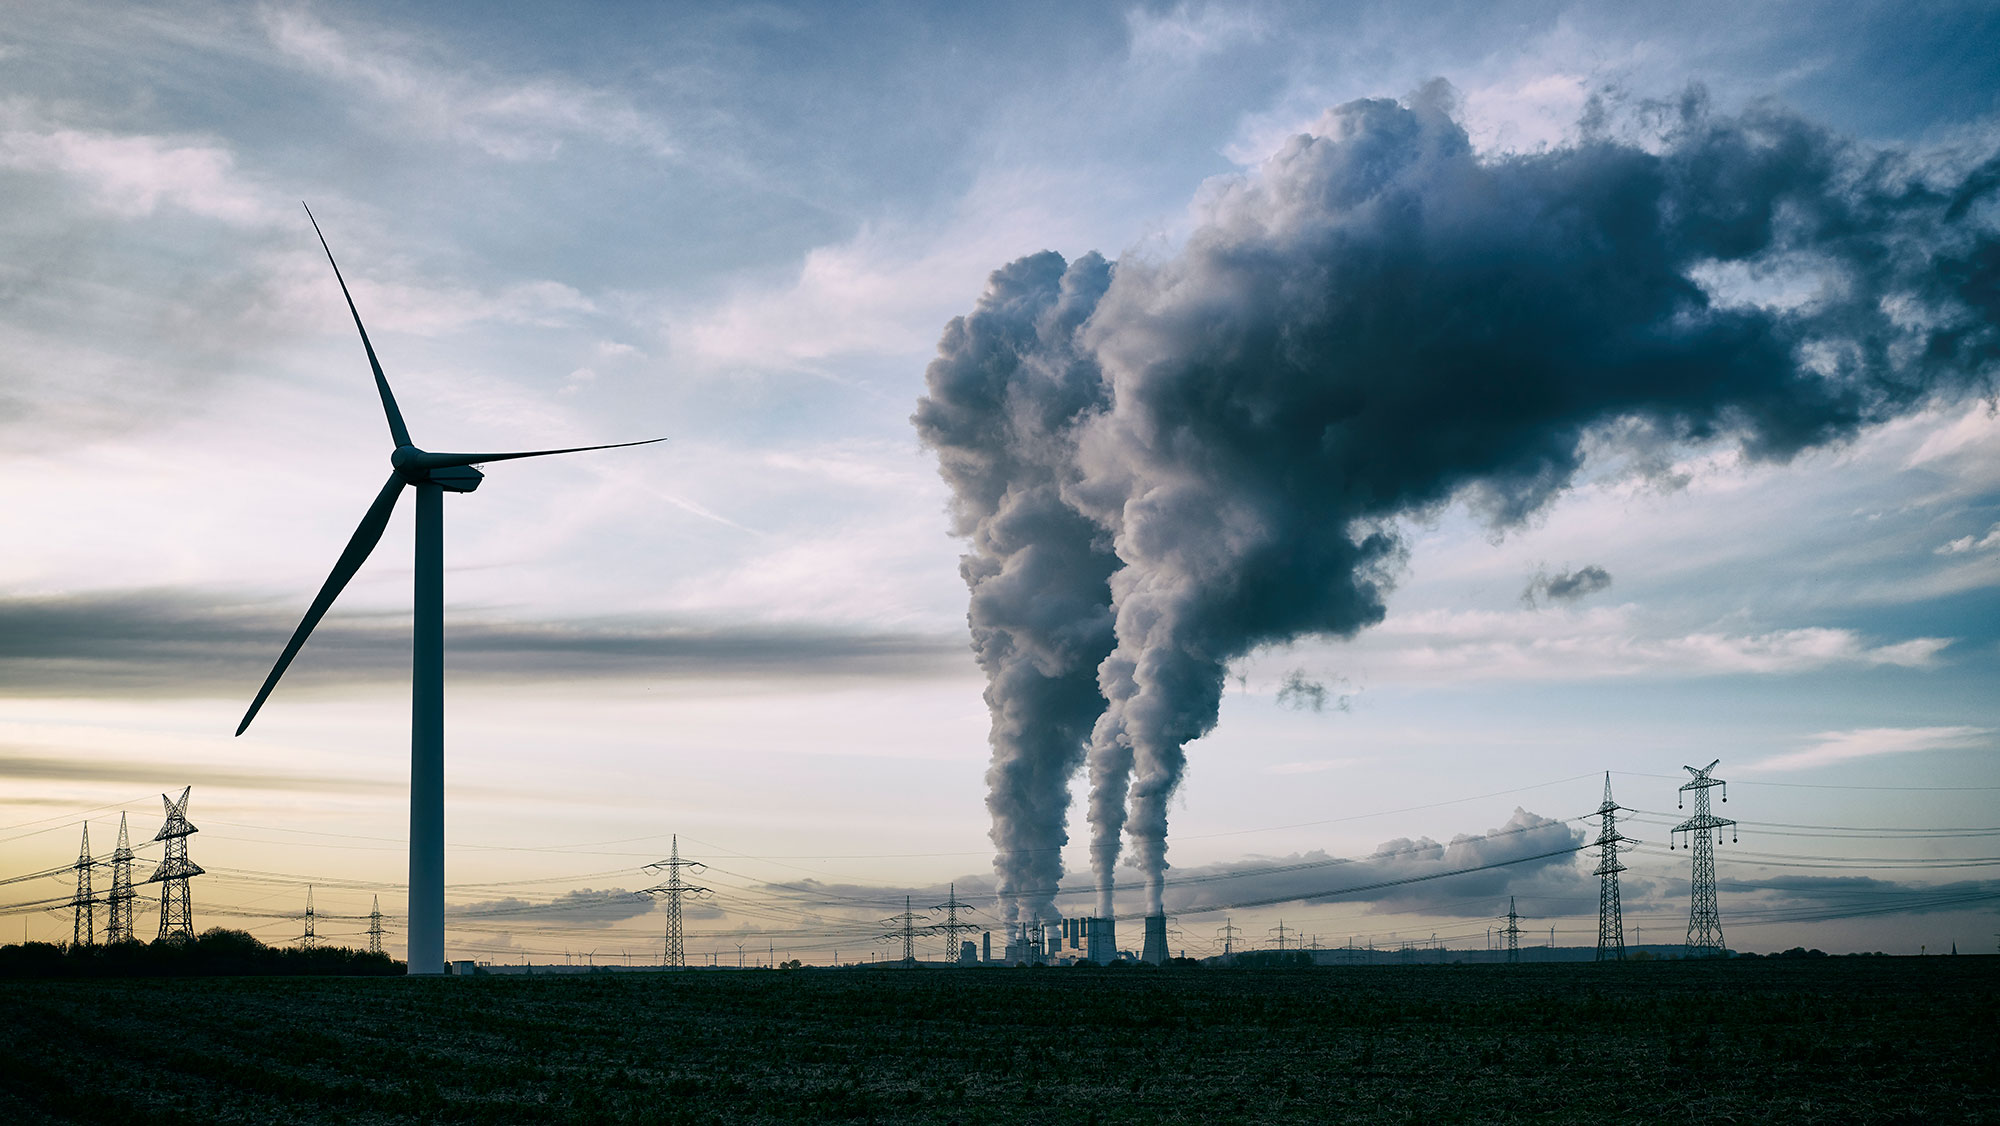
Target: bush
219 952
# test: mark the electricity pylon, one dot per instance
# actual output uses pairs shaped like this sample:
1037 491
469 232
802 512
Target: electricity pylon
1228 935
1610 913
675 889
118 926
907 931
1704 937
309 939
176 914
1513 932
84 932
951 926
1281 930
375 927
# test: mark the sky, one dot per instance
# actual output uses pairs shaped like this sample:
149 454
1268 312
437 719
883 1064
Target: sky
746 229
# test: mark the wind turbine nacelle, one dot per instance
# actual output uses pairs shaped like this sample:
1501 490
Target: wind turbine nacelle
455 478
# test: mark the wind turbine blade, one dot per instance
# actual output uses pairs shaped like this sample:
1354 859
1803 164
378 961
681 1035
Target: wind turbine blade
364 540
396 428
445 461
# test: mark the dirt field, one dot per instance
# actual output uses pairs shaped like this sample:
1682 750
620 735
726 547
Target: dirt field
1839 1040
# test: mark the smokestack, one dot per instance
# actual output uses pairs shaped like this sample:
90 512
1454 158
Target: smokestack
1155 952
1102 941
986 947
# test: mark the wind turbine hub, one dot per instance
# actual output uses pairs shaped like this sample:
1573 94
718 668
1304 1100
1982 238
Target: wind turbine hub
416 467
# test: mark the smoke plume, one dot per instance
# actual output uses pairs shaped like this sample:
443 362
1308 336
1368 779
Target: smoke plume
1189 458
1008 389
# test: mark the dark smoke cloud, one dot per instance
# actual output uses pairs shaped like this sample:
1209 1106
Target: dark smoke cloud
1008 389
1565 586
1379 322
1299 693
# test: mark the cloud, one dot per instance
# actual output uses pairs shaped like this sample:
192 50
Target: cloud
581 907
1965 544
1868 742
1793 900
1523 645
1316 876
1565 586
512 119
34 764
1189 33
134 175
160 642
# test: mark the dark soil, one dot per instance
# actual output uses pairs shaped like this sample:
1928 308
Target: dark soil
1834 1040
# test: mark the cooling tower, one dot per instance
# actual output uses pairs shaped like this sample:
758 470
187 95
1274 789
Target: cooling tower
1101 940
1155 952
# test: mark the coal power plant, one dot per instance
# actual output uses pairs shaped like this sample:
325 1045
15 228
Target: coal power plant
1160 466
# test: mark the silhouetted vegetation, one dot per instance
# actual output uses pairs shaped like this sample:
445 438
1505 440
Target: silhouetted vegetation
1802 1040
217 952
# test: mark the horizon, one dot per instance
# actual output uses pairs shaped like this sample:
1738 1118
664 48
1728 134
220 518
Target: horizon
756 233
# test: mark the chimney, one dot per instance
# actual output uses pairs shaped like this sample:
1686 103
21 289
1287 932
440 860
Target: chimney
1155 952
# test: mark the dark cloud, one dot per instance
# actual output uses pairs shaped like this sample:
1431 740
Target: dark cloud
582 907
1380 321
166 642
39 763
1813 898
1404 875
1565 586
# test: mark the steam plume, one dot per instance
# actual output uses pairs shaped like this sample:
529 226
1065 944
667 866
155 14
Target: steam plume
1006 392
1377 322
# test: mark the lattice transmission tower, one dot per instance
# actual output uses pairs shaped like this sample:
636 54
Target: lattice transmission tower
84 931
1610 913
1704 937
906 929
311 937
375 927
175 870
1513 932
951 926
676 889
118 923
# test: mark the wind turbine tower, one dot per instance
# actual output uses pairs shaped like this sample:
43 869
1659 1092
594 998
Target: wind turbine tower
118 924
1704 937
176 912
674 889
432 475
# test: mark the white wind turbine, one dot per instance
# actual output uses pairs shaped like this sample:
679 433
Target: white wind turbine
431 475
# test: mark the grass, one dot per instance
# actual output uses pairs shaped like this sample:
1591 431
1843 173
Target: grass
1839 1040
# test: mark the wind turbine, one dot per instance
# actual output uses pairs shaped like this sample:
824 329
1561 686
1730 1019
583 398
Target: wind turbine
431 475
